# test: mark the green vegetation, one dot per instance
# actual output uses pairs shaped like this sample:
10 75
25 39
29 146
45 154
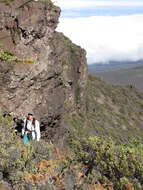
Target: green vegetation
7 2
92 160
106 142
15 158
50 3
113 111
99 149
10 57
103 146
76 123
78 95
108 163
9 151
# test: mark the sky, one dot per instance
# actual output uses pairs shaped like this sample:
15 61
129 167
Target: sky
107 29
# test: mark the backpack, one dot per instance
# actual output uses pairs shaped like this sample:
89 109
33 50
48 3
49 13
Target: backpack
29 134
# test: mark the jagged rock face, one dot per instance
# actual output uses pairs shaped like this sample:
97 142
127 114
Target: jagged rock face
25 23
55 82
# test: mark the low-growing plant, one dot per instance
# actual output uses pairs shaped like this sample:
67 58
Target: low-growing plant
120 164
11 57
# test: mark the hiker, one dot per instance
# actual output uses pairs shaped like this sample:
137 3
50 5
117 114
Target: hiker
31 129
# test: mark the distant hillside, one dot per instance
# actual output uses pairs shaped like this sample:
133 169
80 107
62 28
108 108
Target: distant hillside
110 111
133 76
113 66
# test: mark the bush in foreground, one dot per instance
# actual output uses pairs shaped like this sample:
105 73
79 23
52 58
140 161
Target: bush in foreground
106 162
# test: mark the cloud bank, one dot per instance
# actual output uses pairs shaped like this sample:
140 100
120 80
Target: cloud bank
106 38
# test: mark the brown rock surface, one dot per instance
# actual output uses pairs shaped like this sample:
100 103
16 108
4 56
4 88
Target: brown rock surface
55 82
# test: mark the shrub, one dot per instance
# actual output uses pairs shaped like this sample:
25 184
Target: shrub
121 164
10 57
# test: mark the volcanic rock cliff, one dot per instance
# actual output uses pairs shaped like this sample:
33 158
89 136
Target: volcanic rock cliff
49 73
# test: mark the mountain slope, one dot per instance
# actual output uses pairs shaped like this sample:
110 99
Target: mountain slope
133 76
113 111
113 66
102 149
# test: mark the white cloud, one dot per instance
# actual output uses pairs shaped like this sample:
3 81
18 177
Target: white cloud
105 37
76 4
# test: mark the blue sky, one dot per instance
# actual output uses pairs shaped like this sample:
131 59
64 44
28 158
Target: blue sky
107 29
78 8
100 11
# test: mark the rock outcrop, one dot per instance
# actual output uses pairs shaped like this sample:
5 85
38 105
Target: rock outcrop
53 80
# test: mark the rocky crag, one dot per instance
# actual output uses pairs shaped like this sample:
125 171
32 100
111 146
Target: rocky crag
49 75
